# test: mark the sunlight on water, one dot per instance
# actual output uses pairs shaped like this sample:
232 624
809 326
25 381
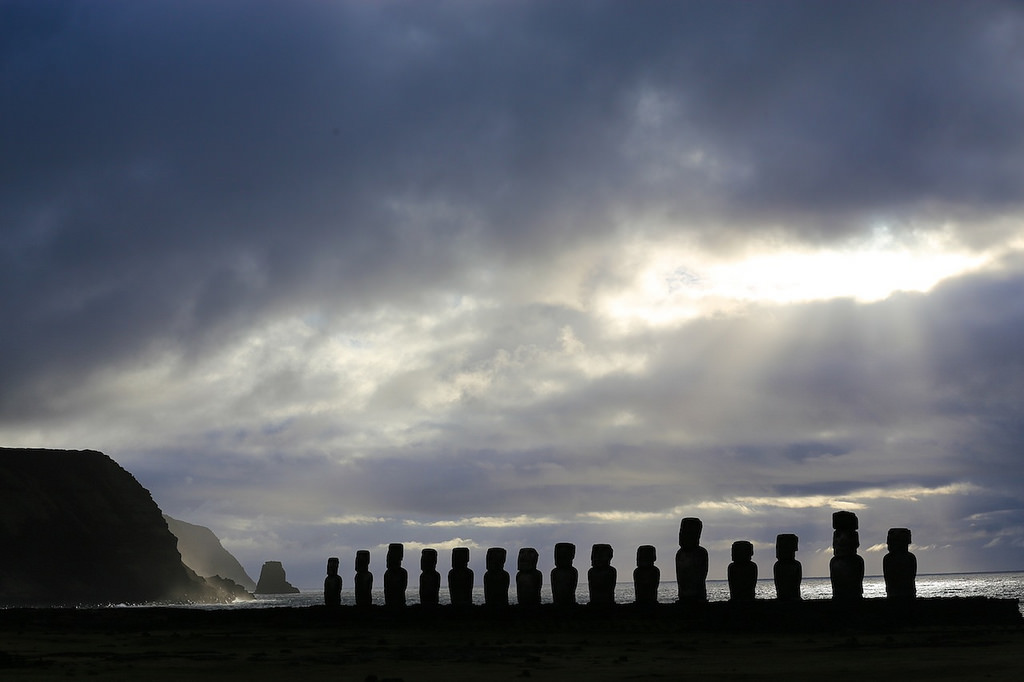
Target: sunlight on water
996 585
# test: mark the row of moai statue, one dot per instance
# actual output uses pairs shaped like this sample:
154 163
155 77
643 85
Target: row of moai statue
846 570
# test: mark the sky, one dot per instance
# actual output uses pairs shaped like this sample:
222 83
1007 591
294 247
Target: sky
325 276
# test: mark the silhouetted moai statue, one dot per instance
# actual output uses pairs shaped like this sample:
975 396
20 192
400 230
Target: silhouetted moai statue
646 576
899 566
691 562
528 579
564 576
430 579
332 583
602 576
846 569
496 578
742 572
460 578
396 578
364 579
787 571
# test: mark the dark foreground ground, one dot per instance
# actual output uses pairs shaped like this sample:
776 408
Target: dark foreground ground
818 641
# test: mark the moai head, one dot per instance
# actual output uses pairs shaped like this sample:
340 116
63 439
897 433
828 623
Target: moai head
528 558
646 555
565 552
898 540
332 566
362 560
601 556
742 551
786 545
396 550
460 557
845 539
689 532
844 520
496 558
428 560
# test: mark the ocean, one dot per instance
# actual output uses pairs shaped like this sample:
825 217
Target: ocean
1008 585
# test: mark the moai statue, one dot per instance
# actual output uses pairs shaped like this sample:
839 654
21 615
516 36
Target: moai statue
899 566
787 571
496 578
430 579
691 562
460 578
396 578
846 569
364 579
332 583
528 578
564 576
602 576
742 572
646 576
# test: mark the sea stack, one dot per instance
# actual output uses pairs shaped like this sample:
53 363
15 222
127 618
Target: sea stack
272 580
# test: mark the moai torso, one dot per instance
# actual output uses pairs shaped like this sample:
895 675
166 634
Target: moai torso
564 576
846 569
899 566
646 576
396 578
691 562
528 579
788 572
496 578
364 579
742 572
430 579
332 583
460 578
602 576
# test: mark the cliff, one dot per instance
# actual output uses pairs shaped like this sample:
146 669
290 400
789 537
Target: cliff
203 552
76 528
272 580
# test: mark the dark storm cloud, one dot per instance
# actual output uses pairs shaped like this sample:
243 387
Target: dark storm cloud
171 170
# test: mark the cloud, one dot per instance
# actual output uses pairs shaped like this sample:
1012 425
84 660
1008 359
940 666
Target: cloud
328 273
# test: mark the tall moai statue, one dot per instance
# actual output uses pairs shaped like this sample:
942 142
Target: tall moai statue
742 572
332 583
646 576
788 572
899 566
460 578
364 579
430 579
602 576
496 578
846 569
396 578
691 562
564 576
528 579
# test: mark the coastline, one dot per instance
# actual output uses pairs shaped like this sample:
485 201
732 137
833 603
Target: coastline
945 639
